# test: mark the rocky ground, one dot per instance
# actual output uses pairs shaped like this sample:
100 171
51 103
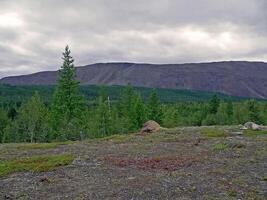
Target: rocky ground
182 163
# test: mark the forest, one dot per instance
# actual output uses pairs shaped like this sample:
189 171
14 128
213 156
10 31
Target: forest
69 115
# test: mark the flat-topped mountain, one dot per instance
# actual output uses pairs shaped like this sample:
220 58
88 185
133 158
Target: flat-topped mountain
237 78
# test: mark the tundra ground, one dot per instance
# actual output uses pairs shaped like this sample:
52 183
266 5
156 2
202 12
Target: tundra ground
183 163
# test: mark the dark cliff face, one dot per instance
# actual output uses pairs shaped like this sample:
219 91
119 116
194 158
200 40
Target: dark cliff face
234 78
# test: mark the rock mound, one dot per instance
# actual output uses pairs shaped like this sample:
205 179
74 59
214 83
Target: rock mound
150 127
253 126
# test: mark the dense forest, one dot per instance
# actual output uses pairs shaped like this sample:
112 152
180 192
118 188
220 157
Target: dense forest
11 94
70 115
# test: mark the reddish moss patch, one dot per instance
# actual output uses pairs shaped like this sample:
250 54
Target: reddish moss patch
170 163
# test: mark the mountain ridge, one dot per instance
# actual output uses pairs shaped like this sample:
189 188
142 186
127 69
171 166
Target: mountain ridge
238 78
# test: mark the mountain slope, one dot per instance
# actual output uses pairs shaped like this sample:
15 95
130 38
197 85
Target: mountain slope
236 78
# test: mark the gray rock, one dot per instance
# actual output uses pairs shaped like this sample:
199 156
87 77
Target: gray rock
253 126
150 127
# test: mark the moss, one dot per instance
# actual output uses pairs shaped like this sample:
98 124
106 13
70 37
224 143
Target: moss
42 145
34 164
232 193
254 133
118 138
213 132
221 146
37 146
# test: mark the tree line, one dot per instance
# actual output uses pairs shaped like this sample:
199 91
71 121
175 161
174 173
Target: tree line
69 117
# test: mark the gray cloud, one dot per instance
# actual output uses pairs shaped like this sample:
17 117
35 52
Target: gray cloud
33 33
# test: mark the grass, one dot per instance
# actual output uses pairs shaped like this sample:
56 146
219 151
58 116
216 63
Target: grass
34 164
254 133
42 145
213 132
221 146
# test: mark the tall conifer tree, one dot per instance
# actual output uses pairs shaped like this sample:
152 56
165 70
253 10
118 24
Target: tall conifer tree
68 104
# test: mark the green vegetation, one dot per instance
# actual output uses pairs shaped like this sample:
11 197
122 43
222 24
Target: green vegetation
118 138
29 146
253 133
232 193
15 95
68 104
34 164
221 146
213 132
31 122
77 112
154 107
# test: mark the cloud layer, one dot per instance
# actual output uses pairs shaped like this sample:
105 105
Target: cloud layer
33 33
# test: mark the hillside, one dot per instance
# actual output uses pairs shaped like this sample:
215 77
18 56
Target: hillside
180 163
233 78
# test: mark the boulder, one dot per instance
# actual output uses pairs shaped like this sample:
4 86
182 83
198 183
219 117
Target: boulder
150 127
253 126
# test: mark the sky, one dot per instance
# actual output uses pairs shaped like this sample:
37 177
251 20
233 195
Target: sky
33 33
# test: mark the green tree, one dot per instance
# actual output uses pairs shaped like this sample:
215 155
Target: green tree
171 116
68 104
230 112
130 108
264 113
103 114
223 114
253 111
154 107
31 123
4 121
214 104
12 113
241 113
140 108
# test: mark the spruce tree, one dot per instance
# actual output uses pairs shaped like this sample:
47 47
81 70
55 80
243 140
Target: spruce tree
214 104
230 112
103 114
127 109
68 104
140 110
253 111
154 107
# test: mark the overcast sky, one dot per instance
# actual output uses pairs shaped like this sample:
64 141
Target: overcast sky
33 33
